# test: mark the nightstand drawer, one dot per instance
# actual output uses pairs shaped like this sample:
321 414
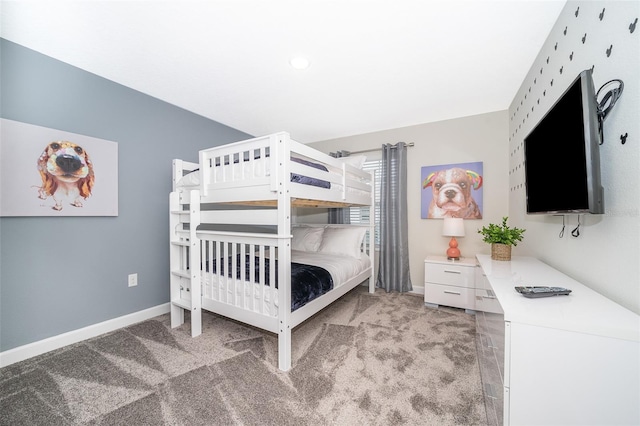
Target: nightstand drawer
457 275
459 297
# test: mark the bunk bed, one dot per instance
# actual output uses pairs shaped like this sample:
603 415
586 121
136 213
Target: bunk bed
236 250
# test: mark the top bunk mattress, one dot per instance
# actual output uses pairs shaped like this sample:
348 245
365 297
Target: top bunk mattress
255 169
230 180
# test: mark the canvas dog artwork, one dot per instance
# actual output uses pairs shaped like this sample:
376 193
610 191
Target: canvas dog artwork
453 193
67 174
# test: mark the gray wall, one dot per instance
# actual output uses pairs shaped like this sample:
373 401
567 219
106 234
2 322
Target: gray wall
61 274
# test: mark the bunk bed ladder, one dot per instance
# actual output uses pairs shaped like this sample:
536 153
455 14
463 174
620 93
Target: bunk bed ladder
184 262
282 155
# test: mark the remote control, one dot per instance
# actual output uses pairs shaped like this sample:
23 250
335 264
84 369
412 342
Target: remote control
542 291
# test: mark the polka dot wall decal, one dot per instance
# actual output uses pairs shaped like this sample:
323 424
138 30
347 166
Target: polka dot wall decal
548 57
601 16
609 50
632 26
584 38
577 11
555 47
571 56
552 82
561 69
565 31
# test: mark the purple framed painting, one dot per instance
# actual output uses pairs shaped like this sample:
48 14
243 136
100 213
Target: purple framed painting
452 190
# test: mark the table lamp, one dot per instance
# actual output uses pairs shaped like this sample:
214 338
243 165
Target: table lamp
453 227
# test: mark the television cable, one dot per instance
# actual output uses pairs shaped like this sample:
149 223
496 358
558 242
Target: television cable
608 101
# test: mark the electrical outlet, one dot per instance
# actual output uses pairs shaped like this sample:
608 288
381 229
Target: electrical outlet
133 280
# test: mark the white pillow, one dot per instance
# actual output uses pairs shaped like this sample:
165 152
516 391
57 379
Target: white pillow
190 179
345 241
306 238
356 161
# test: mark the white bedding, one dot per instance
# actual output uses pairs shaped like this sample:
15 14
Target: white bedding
341 268
192 180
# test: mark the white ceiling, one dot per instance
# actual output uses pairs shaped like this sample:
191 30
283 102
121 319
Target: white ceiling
375 64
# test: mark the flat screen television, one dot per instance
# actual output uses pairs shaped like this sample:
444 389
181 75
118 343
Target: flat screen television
562 155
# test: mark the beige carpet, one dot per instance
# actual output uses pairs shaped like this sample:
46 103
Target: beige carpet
381 359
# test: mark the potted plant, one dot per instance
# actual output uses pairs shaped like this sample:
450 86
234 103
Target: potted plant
501 238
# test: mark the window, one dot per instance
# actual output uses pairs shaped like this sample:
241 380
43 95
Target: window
362 214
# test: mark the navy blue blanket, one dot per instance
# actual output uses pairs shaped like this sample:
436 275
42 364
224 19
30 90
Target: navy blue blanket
309 180
307 281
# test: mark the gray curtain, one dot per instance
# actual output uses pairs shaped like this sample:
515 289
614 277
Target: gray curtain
393 271
343 215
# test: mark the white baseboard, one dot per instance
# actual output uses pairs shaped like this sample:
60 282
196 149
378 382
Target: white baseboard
37 348
418 290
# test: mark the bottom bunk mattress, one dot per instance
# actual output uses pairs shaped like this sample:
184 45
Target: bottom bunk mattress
312 275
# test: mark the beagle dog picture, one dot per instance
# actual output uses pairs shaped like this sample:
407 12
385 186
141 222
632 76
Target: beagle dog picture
452 193
67 174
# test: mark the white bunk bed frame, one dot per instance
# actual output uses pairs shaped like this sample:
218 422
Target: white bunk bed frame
272 198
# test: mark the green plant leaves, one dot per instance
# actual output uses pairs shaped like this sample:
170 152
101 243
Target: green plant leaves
501 234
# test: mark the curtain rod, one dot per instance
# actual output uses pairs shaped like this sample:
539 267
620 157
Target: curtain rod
410 144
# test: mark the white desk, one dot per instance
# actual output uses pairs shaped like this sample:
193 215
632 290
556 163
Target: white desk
567 359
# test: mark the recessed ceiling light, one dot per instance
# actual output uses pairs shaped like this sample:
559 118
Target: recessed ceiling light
300 62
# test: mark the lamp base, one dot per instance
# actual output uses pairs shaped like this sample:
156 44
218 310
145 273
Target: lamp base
453 253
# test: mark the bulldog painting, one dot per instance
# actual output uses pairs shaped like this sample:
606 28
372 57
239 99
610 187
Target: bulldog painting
452 190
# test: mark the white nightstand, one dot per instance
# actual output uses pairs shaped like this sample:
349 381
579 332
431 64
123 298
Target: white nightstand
450 283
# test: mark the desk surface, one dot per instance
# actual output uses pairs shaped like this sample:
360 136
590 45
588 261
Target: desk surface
583 311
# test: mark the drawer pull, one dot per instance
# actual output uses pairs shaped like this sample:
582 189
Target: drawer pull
452 292
452 272
491 294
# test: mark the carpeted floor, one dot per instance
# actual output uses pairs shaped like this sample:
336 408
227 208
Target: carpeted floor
369 359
